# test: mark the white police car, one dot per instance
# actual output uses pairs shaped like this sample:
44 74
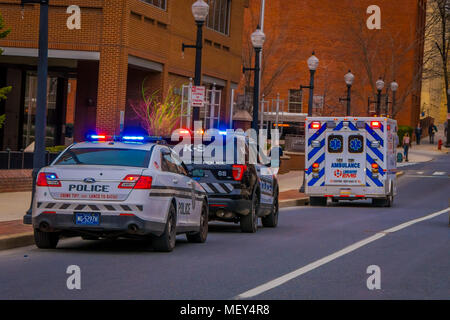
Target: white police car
130 186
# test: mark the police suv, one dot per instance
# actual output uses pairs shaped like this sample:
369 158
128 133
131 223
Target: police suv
131 186
239 192
350 158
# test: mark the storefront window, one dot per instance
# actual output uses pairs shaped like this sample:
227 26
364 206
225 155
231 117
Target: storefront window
219 16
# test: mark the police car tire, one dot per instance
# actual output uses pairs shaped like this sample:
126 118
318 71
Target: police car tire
45 240
249 223
317 201
271 220
200 237
166 241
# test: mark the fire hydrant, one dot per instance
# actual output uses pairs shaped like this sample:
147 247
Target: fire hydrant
440 144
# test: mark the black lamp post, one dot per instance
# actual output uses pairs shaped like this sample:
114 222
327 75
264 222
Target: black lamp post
313 63
349 79
41 105
258 37
380 85
200 10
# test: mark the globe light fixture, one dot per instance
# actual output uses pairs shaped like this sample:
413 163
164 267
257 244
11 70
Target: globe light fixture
349 78
258 37
313 62
200 10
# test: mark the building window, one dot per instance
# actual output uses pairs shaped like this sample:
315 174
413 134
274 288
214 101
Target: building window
157 3
219 16
295 100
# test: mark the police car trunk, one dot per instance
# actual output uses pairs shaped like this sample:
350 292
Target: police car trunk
350 158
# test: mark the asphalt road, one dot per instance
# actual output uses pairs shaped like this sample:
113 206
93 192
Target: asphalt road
414 259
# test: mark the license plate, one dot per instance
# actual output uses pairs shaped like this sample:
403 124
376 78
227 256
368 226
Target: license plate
87 218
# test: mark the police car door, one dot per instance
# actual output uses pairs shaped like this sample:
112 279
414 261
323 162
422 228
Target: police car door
345 159
173 181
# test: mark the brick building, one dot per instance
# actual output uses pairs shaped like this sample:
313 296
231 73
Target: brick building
338 33
120 43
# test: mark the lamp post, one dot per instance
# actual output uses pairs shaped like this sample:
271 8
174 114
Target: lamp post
349 79
380 85
313 64
258 37
447 144
41 104
200 10
394 88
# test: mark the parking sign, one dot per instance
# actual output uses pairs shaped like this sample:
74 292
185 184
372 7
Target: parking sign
198 96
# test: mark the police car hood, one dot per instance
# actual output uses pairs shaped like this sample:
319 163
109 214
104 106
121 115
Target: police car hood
91 183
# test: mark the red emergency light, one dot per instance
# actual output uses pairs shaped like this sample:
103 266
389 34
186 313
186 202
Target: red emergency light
375 124
315 125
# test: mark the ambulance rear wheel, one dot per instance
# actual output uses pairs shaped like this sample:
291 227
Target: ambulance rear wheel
318 201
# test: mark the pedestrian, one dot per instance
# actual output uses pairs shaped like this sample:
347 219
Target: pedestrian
432 129
406 144
418 132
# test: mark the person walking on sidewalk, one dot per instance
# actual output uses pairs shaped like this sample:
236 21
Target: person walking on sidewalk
418 132
432 129
406 144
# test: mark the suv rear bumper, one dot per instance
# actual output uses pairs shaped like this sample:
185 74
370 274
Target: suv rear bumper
108 224
239 206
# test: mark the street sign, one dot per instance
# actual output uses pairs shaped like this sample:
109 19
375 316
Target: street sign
198 96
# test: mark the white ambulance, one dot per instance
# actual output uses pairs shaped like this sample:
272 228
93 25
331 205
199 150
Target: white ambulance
350 158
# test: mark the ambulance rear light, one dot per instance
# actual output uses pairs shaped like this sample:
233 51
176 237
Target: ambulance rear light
375 144
136 182
375 124
46 179
315 144
238 171
331 124
315 165
374 166
315 125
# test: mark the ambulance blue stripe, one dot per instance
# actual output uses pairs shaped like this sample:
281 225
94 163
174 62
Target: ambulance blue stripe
319 161
314 180
317 134
374 134
376 181
315 150
375 150
371 161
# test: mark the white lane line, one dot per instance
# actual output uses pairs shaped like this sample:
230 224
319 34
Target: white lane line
438 173
316 264
419 172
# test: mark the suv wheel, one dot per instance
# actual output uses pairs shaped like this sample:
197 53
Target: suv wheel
45 240
200 237
249 223
166 241
271 220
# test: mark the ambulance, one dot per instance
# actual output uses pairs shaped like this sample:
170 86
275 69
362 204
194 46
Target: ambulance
350 158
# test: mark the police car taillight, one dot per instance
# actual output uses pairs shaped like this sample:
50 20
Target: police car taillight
315 125
48 180
136 182
238 171
375 124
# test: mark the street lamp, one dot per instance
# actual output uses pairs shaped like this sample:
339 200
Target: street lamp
258 37
394 88
200 10
380 85
349 79
41 102
313 64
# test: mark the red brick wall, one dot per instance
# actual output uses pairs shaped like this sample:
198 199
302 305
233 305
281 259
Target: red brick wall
295 28
15 180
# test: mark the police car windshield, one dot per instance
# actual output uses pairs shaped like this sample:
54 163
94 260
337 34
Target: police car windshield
105 157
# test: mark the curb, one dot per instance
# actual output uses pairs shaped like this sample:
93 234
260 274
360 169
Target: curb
294 202
16 240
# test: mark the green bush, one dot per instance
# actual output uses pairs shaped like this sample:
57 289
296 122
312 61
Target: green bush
55 149
2 119
401 132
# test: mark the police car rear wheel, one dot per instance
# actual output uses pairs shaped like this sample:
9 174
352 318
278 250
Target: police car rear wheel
271 220
200 237
166 241
249 223
46 240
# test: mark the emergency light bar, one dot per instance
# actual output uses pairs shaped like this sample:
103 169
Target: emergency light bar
126 138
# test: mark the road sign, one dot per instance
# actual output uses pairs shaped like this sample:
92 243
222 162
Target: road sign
198 96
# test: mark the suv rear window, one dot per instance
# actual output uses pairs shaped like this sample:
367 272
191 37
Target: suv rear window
105 157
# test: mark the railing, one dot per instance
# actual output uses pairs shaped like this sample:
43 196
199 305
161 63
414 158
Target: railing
21 160
295 143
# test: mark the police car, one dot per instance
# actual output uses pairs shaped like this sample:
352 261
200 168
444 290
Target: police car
130 186
241 191
351 158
